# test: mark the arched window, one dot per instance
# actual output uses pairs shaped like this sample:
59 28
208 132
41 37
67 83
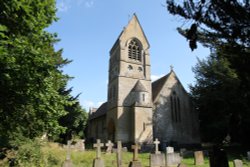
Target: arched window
175 107
134 50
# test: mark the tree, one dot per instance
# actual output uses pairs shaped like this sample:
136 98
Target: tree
30 71
75 120
215 94
215 21
224 26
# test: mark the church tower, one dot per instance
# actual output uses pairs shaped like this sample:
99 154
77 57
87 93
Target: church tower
129 116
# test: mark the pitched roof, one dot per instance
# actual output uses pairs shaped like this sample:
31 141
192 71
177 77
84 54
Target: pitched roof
101 111
157 85
139 87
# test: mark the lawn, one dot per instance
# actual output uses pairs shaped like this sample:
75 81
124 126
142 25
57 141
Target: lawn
54 156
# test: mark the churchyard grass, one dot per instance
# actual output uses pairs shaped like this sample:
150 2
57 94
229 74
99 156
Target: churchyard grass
54 155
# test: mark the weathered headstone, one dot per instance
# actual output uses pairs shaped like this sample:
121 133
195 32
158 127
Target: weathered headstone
170 150
98 162
80 145
119 154
248 155
124 149
135 162
157 159
182 151
181 165
218 158
67 162
109 146
198 158
237 163
173 159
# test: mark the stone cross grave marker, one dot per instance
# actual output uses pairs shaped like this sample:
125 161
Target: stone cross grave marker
157 142
136 148
237 163
98 145
109 146
198 158
157 159
67 162
98 162
135 162
119 154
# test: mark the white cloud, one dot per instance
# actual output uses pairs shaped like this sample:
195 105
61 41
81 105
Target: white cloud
90 104
65 5
155 77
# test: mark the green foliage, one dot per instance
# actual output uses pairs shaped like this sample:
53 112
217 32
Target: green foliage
222 90
27 17
53 156
29 152
215 21
216 96
75 120
30 72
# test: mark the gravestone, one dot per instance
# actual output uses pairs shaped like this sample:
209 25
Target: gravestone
198 158
157 159
135 162
173 159
119 154
248 155
157 142
98 162
181 165
237 163
218 157
80 145
182 151
124 149
67 162
109 146
170 150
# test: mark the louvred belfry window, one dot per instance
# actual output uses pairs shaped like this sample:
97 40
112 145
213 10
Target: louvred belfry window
134 50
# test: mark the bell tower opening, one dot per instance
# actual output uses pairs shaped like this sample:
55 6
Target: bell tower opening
134 50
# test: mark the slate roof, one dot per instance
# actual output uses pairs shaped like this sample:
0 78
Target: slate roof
101 111
157 86
139 87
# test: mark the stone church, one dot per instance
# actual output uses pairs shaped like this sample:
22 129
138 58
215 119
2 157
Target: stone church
138 110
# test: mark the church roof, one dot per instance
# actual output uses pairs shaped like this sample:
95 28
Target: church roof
101 111
158 84
139 87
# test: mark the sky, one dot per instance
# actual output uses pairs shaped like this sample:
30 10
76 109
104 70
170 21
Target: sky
87 30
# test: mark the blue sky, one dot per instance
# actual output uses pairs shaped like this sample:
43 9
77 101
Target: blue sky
89 28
